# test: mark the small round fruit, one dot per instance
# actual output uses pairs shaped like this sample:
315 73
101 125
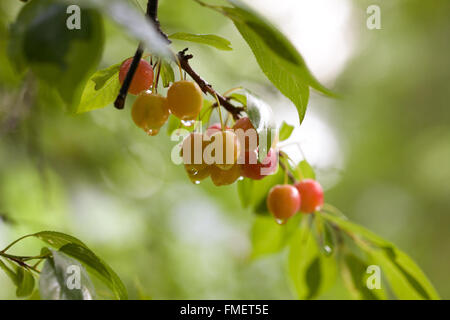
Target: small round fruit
197 173
142 79
216 127
192 149
185 99
226 149
150 112
247 134
225 177
312 195
283 201
253 169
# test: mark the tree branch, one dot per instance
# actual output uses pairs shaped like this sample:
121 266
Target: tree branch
120 100
152 14
205 86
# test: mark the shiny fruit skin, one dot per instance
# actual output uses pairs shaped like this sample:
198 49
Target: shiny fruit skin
185 99
227 147
246 133
197 173
253 169
214 128
192 149
142 79
150 112
225 177
283 201
311 193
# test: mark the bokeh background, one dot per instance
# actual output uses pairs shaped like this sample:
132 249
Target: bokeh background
382 152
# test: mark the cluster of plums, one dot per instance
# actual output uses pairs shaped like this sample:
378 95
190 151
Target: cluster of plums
226 154
150 110
285 200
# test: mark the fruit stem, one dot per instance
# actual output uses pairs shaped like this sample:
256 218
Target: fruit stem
285 168
220 112
286 177
158 73
177 60
184 58
226 93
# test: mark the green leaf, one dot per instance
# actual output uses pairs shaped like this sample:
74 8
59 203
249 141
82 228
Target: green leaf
325 236
209 39
8 75
354 273
241 98
262 118
101 77
276 55
310 272
305 170
56 239
132 21
59 277
9 272
100 90
78 250
285 131
25 283
97 267
406 279
167 74
173 124
61 57
269 237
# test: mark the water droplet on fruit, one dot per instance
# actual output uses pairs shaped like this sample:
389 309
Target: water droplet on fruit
241 178
196 182
152 132
187 123
280 221
192 171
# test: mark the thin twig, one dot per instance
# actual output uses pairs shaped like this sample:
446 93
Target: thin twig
205 86
289 173
183 60
152 13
